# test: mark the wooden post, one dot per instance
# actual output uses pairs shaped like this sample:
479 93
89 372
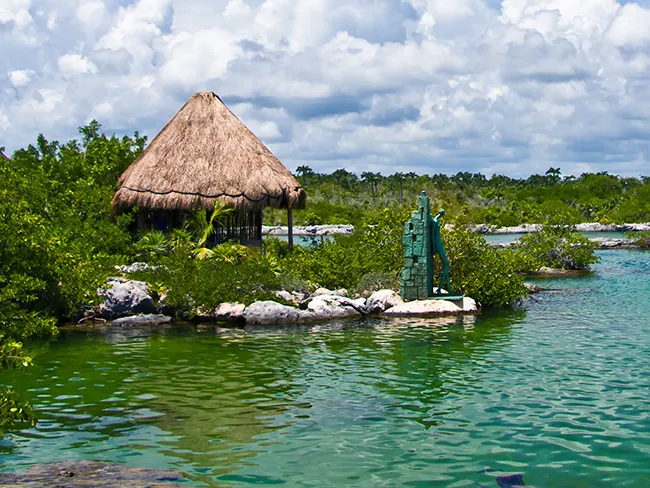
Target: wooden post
140 219
290 225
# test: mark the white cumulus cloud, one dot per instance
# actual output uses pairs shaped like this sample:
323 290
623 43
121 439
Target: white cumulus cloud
20 77
75 64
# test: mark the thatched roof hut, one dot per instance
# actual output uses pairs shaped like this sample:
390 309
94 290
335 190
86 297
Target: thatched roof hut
203 154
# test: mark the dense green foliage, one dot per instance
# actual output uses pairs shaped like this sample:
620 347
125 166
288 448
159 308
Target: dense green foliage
190 285
58 240
481 271
344 197
59 237
341 263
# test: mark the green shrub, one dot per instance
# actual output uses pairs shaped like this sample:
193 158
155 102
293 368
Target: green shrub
555 247
378 280
193 283
481 271
375 246
295 284
152 245
641 239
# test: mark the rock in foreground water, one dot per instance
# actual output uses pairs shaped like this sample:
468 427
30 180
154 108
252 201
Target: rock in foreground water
533 288
87 474
511 481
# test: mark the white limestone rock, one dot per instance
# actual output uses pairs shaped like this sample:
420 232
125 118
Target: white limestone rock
141 320
316 309
270 312
330 307
124 297
382 300
229 312
424 308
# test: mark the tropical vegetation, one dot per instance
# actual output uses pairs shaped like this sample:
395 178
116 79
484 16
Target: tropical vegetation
343 197
59 240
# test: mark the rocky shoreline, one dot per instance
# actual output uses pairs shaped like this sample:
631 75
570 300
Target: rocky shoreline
603 243
129 303
324 230
585 227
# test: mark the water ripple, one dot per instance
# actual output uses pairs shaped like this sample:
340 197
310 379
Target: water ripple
557 392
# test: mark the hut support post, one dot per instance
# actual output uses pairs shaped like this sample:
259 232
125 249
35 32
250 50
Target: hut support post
290 228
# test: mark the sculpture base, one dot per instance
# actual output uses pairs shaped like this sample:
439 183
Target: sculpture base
452 298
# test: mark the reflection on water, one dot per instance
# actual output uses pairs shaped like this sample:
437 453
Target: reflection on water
556 391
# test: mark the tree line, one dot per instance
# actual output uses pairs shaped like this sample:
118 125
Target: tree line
343 197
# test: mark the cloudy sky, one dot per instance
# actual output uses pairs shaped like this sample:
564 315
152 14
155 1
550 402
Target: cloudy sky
429 86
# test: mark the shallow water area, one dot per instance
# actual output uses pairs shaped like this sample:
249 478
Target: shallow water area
557 391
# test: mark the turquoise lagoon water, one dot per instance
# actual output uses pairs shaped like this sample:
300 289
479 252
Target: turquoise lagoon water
558 391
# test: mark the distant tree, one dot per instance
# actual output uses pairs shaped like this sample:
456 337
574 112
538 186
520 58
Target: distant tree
373 179
553 174
305 173
399 178
344 178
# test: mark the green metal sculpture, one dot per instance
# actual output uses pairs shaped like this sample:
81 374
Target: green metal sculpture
422 241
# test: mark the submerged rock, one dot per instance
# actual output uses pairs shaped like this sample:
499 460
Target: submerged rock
511 481
141 320
382 300
124 297
90 474
424 308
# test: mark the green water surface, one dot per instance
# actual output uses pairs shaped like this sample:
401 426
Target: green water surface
559 391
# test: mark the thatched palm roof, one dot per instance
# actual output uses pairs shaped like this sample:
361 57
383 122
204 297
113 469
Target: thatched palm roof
205 153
